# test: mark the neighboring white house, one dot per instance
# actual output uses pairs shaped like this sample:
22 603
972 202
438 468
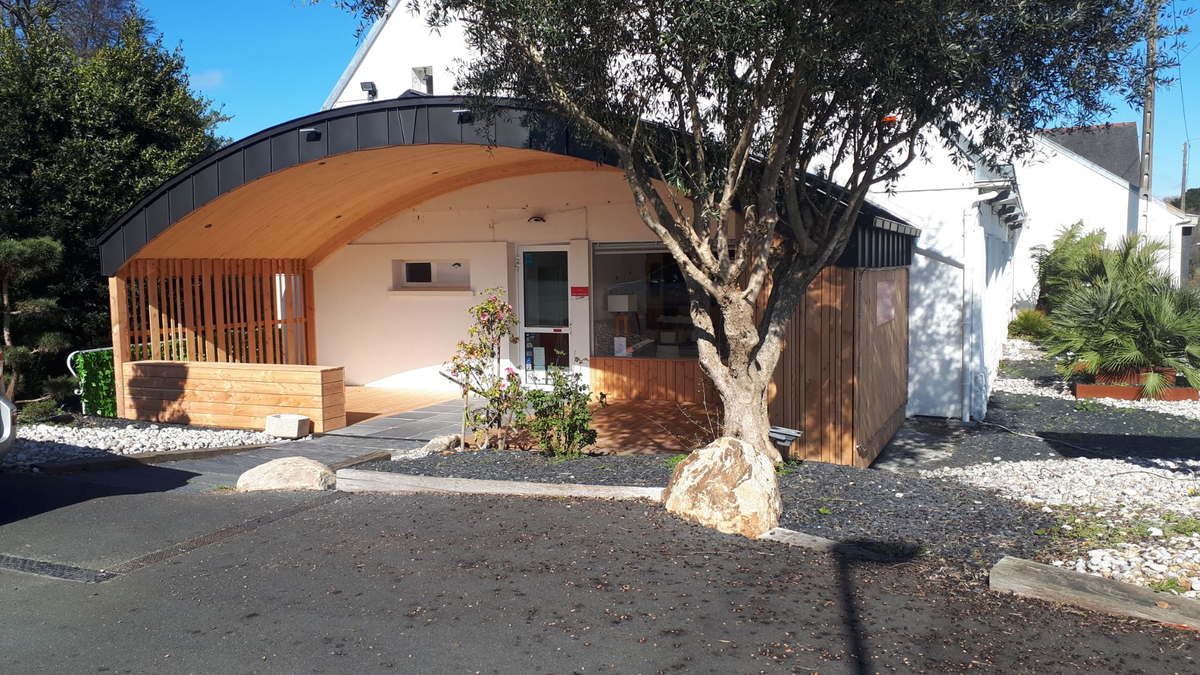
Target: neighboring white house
400 53
974 265
973 269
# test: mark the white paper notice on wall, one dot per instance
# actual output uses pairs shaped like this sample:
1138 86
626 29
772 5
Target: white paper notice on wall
619 346
885 301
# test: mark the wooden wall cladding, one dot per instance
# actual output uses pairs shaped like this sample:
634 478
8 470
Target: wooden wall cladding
627 378
842 378
233 395
882 362
813 385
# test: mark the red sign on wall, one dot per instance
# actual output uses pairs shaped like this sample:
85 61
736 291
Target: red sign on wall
579 291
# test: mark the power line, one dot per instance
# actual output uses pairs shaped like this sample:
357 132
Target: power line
1179 70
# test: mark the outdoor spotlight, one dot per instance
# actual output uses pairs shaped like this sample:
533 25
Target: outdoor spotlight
371 90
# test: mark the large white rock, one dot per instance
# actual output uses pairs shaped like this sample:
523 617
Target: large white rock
436 445
728 486
288 473
288 426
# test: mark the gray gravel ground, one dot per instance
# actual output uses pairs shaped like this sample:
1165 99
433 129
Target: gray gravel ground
892 512
455 584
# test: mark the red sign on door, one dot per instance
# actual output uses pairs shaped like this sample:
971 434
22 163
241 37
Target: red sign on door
579 291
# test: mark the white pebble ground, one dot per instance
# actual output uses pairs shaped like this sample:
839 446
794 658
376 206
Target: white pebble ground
40 443
1118 493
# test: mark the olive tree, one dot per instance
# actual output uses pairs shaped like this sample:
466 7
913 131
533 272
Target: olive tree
750 131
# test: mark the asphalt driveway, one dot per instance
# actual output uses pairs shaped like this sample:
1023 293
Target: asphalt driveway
454 584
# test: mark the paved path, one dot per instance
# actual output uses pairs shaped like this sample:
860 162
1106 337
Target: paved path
398 432
441 584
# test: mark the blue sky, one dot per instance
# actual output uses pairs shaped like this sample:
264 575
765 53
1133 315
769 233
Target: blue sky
269 61
266 61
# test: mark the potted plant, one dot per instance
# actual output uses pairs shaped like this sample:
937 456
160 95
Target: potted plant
1123 329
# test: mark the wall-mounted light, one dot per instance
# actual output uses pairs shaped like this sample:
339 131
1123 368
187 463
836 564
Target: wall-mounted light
371 90
536 219
311 134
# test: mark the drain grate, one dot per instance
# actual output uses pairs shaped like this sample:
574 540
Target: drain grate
219 535
86 575
55 570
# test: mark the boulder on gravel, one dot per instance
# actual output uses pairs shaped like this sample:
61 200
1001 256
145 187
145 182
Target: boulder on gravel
437 444
288 473
728 486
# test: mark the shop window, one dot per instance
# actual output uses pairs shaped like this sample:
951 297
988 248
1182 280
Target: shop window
640 304
443 274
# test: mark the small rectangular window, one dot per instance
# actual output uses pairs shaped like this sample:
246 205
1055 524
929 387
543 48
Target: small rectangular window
418 273
431 274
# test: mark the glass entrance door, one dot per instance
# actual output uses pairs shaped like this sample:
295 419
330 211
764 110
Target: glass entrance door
545 326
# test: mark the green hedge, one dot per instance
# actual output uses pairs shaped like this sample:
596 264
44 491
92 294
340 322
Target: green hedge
97 381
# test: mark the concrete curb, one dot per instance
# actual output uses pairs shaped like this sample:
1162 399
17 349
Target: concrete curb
356 480
1052 584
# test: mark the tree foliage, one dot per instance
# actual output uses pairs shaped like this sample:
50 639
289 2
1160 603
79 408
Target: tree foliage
87 25
751 131
82 137
1193 201
26 263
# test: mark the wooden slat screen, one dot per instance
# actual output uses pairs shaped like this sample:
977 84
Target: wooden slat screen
217 310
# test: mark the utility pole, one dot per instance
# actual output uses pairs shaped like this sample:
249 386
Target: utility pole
1183 181
1147 163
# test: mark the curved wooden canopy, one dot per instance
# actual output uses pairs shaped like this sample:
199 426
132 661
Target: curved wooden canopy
308 187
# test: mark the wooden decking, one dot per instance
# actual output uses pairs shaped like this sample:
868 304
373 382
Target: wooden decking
651 427
364 403
622 427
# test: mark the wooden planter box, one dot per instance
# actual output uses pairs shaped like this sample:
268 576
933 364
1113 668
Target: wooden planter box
1132 392
1131 376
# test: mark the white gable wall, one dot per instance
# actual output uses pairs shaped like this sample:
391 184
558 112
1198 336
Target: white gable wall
394 46
1060 188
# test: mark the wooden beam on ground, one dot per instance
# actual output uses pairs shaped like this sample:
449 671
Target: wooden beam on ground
355 480
1053 584
360 459
815 543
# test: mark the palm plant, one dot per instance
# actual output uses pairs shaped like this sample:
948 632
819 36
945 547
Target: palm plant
1119 313
1062 263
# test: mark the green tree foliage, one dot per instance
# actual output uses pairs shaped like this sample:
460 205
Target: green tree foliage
1121 314
1064 263
780 116
82 137
1193 201
87 25
25 262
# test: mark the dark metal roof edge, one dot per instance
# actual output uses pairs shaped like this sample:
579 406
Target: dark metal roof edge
296 124
156 212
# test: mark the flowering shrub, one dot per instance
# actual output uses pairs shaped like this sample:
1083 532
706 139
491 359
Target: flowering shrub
560 418
476 368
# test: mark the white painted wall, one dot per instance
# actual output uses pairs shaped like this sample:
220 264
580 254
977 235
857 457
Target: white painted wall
394 46
401 340
1060 188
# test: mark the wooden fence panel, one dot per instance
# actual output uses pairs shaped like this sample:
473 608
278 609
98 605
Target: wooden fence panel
214 310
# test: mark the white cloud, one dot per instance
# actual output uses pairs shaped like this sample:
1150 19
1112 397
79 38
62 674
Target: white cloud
209 79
